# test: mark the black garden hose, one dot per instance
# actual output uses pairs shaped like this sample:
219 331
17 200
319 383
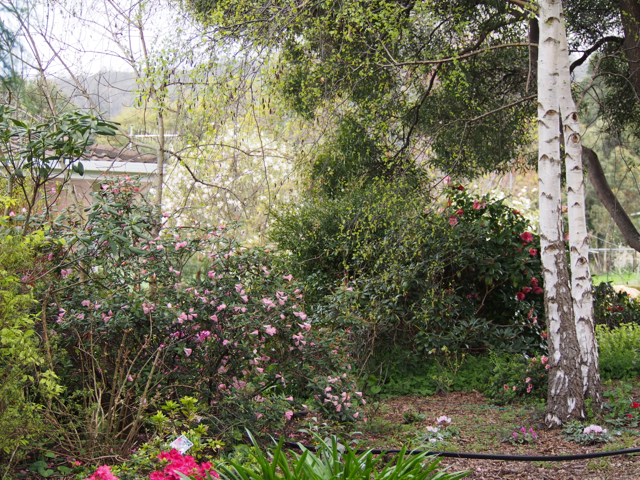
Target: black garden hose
488 456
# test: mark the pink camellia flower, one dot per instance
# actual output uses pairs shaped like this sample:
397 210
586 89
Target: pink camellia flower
533 252
460 212
544 359
506 387
520 296
12 214
453 220
447 180
527 380
526 237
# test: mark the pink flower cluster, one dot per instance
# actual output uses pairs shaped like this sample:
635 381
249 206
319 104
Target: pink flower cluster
182 464
103 473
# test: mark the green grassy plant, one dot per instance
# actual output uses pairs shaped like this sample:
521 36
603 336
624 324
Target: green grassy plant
334 460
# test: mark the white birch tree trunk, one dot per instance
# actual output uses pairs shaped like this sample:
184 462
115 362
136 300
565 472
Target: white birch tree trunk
578 235
565 398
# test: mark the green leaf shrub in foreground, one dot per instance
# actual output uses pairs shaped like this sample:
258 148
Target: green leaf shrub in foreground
333 460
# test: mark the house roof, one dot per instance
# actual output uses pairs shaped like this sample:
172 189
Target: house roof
107 153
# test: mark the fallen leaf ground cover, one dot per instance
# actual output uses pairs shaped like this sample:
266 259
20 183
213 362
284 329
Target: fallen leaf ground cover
483 428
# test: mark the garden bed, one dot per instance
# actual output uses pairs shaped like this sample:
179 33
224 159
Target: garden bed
484 429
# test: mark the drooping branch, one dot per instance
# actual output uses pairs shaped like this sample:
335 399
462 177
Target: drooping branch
609 199
587 53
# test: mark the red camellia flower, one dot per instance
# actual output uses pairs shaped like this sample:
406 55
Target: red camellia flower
544 335
635 405
520 296
526 290
533 251
461 188
537 290
534 281
453 220
460 212
526 237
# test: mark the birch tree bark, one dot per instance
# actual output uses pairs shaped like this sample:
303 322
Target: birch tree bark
578 239
565 397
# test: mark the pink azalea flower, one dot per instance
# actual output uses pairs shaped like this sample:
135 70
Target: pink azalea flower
446 180
288 277
221 307
453 220
271 331
187 351
288 415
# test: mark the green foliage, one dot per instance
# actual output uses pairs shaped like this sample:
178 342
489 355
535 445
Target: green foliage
387 260
619 350
619 408
517 377
31 153
407 71
613 309
336 460
24 383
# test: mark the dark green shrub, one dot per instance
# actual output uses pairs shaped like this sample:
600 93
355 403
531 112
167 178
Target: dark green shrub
613 309
517 377
400 268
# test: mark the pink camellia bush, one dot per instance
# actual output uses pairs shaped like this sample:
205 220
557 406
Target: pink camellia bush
150 312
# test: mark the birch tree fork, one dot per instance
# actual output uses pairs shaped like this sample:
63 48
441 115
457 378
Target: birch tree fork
581 290
565 397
